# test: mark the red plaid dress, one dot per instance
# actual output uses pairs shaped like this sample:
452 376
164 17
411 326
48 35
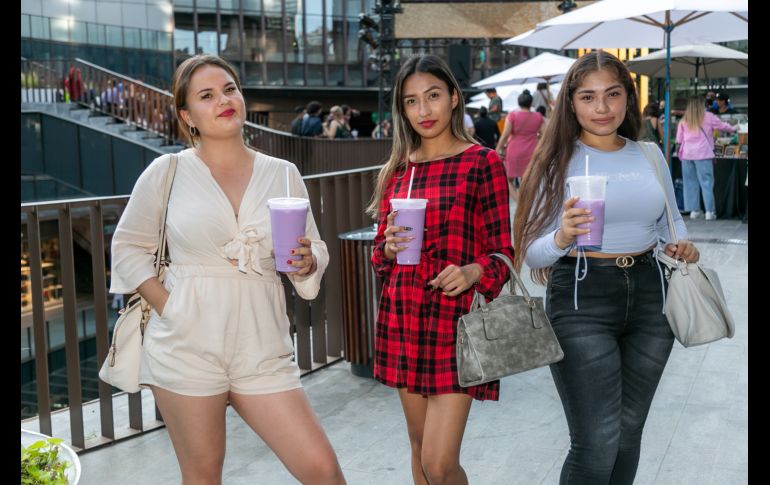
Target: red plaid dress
466 220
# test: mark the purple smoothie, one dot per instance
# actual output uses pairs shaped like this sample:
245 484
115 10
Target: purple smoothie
287 224
593 238
414 218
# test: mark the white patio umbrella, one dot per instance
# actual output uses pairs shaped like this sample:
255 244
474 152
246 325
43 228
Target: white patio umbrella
704 61
649 23
545 67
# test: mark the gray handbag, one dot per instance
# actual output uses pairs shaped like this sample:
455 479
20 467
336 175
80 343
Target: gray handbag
695 304
508 335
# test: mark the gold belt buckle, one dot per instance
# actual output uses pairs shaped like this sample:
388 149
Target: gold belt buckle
624 261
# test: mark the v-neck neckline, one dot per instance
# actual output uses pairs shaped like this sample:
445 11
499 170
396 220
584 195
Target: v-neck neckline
232 209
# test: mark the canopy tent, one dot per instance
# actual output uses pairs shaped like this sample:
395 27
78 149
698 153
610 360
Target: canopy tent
545 67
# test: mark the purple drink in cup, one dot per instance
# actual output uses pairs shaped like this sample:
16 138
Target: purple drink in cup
593 238
411 213
288 216
591 190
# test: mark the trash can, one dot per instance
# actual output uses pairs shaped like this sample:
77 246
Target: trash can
360 297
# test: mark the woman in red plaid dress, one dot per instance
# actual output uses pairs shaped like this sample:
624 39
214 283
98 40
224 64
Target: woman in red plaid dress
467 220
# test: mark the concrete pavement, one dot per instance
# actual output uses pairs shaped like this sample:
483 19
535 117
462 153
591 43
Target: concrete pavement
697 431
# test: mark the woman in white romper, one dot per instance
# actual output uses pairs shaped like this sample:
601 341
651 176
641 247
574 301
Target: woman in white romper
219 330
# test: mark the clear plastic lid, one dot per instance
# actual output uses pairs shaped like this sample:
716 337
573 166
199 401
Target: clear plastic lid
288 203
587 187
409 203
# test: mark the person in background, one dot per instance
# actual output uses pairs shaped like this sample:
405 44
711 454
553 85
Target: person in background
466 221
382 130
296 123
487 131
517 143
335 126
710 101
468 123
695 137
311 124
349 113
605 303
75 85
544 98
495 107
724 106
651 128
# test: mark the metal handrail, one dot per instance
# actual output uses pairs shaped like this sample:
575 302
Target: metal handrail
146 107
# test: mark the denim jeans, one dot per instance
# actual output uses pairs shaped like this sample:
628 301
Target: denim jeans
698 176
615 349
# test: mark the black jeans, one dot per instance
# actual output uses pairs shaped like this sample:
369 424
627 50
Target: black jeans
615 349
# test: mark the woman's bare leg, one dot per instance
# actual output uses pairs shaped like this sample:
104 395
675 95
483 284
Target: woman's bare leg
288 425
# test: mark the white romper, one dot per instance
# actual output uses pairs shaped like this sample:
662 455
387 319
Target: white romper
224 327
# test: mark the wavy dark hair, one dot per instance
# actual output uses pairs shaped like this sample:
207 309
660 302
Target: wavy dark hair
405 138
542 189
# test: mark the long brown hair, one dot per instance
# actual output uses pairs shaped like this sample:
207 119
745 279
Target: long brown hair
542 189
405 138
694 114
181 83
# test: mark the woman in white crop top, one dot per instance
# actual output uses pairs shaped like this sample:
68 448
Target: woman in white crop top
615 337
218 331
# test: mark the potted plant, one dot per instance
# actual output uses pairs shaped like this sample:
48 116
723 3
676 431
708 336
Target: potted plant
47 461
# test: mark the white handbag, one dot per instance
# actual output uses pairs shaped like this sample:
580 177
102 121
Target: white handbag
121 367
695 304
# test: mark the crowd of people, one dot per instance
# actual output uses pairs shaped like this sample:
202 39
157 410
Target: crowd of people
218 330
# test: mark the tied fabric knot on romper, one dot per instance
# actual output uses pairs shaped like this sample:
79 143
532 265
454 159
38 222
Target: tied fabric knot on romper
246 247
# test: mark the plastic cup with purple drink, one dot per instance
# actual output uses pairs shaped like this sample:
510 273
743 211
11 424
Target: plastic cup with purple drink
591 190
287 220
411 213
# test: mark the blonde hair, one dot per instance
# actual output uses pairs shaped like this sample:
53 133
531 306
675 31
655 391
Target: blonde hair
181 83
694 113
405 138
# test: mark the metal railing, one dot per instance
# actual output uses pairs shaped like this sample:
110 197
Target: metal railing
337 201
152 109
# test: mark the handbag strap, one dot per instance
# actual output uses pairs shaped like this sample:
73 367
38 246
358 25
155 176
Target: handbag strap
161 259
648 151
513 280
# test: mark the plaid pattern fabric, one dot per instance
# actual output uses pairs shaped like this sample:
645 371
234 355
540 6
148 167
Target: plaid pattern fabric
466 220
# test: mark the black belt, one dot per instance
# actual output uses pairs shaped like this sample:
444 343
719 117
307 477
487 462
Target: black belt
621 261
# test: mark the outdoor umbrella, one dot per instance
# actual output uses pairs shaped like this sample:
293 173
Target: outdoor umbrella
546 67
651 23
704 61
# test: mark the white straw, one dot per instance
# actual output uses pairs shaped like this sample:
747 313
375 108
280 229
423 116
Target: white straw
411 179
586 165
288 191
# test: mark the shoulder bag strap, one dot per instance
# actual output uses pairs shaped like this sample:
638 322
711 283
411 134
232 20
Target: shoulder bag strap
647 149
704 134
161 259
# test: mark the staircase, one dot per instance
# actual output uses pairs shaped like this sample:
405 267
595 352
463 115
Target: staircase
93 118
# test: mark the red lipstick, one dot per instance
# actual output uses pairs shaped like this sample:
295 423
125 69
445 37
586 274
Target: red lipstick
227 113
427 123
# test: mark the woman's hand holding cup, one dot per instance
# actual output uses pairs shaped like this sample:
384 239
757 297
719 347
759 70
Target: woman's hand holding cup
570 218
391 240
